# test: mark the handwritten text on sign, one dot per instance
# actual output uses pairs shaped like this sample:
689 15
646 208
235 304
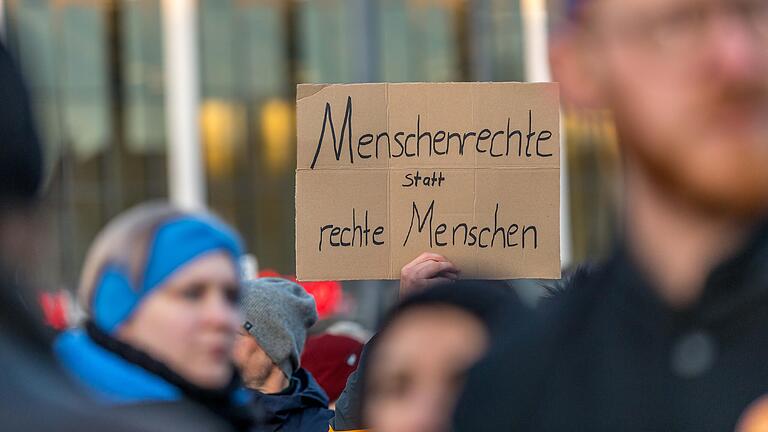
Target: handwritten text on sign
467 170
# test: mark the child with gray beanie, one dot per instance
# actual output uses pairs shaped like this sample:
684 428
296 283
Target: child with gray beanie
276 316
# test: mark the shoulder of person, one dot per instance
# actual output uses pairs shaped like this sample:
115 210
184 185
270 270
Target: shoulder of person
518 368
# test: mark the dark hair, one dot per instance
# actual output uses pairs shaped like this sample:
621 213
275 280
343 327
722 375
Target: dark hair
485 300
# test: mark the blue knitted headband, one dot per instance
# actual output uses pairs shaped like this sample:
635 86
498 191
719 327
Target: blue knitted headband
176 243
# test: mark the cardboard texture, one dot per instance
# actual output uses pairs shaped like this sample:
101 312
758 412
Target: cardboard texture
467 170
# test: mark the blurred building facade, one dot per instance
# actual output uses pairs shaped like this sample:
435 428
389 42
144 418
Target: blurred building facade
96 72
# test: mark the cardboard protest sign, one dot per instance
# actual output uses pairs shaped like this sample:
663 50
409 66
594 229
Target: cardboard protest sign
467 170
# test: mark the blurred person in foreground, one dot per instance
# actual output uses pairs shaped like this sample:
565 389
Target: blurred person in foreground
414 367
35 394
276 316
671 332
160 289
410 373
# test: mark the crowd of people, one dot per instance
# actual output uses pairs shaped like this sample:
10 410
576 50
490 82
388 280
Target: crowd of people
669 333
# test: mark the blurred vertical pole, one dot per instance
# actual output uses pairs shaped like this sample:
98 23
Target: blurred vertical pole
2 20
566 247
186 181
535 38
537 70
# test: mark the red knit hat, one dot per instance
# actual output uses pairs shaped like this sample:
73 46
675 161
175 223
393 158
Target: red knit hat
331 359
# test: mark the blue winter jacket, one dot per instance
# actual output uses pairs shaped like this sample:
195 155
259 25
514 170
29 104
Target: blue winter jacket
302 407
116 382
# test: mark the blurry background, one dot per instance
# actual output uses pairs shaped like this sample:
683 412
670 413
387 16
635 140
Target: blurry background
97 72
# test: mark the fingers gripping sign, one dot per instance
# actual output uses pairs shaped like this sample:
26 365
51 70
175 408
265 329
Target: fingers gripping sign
427 270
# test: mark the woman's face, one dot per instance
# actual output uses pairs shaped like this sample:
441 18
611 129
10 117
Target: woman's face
418 368
189 322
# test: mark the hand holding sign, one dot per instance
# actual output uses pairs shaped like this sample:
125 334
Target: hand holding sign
427 270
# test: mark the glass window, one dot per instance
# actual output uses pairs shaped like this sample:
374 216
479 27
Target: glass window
95 73
418 40
497 40
247 121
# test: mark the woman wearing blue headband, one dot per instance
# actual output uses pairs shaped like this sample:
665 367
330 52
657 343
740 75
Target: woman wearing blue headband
160 290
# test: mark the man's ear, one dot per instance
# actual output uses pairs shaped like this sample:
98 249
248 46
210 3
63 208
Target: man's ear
573 66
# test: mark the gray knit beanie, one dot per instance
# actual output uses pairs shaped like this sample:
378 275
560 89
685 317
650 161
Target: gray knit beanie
277 314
